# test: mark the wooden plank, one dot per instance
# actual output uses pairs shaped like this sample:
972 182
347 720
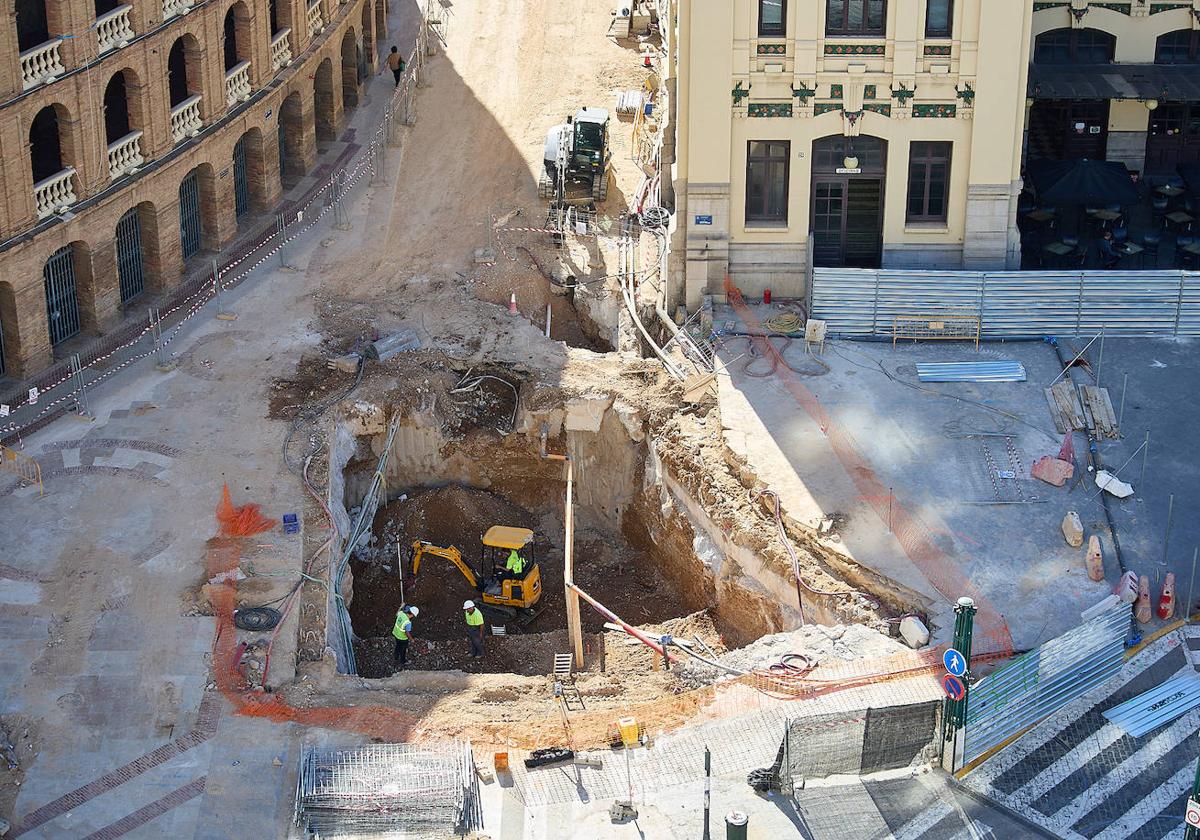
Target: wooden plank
1068 403
1100 405
1055 412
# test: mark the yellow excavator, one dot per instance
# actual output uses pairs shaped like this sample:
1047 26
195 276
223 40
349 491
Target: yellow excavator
505 596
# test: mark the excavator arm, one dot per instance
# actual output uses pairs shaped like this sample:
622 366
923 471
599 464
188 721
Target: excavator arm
420 548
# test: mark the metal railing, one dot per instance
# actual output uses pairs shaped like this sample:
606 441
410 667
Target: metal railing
23 467
41 64
113 29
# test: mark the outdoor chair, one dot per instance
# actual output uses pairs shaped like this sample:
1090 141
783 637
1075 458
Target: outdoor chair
1158 207
1183 258
1150 243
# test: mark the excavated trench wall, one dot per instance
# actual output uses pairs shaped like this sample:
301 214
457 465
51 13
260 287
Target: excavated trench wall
620 486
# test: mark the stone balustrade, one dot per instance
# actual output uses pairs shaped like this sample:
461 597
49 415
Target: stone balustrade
125 155
54 194
172 8
185 118
41 64
281 49
316 22
237 83
114 29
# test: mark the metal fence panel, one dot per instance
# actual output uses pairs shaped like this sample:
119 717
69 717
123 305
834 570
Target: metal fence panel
189 214
1044 680
62 302
241 183
129 256
1012 303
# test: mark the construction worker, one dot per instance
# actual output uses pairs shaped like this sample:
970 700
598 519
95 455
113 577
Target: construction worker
474 627
403 631
515 565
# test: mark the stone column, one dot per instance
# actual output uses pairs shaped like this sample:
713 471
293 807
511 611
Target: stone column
10 62
26 328
98 286
162 248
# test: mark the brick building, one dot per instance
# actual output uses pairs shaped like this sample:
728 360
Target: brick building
138 139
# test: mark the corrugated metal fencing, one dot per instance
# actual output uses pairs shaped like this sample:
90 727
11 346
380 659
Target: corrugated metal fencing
1045 679
1011 304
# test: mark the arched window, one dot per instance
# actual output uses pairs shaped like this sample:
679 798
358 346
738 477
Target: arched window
1074 46
177 72
116 109
45 144
1178 47
33 27
231 51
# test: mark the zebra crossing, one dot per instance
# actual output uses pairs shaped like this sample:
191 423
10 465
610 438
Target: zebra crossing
1080 776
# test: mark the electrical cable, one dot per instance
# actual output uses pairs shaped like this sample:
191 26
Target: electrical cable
312 412
785 323
258 618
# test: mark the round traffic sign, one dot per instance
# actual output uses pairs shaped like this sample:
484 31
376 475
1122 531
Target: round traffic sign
953 687
955 662
1192 815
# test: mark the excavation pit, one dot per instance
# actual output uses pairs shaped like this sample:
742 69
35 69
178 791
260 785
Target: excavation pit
626 580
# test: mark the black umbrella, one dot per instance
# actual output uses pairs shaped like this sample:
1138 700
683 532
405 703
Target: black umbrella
1082 182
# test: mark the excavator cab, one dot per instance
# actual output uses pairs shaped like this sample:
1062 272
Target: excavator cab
520 591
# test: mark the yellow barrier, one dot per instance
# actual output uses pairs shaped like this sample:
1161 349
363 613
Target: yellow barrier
947 326
22 466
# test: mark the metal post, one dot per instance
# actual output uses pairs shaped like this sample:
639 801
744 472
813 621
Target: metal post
161 362
341 217
222 315
1121 413
1100 358
1145 454
954 712
376 164
1188 605
708 789
281 228
1192 832
80 386
1167 534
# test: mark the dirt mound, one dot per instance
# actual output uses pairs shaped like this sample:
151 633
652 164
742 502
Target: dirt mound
452 515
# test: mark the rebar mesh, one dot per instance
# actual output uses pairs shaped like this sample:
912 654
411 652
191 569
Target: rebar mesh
405 790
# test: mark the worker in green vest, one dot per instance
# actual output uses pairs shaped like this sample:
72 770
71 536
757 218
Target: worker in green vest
474 627
515 565
403 632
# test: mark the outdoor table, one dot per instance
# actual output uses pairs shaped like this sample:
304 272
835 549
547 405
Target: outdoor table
1105 215
1040 215
1060 249
1169 190
1130 249
1179 218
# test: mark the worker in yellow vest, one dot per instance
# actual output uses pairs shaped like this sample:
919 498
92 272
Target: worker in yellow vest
515 567
402 630
474 627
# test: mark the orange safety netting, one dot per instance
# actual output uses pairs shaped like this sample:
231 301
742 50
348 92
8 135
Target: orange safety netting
919 541
244 521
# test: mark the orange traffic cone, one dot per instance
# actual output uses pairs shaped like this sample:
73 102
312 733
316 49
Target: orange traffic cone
1166 601
1142 610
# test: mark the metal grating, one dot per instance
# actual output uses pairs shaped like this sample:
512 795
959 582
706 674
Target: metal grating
415 790
241 182
1045 679
189 214
62 301
130 276
1012 303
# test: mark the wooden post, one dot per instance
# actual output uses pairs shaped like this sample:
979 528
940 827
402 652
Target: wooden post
573 626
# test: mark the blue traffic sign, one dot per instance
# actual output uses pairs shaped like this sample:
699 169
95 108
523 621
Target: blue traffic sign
953 687
955 662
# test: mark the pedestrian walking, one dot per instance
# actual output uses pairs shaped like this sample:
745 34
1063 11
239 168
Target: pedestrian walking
474 627
396 64
402 630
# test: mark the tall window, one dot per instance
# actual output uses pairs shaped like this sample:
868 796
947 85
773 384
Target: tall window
767 180
1074 46
928 181
856 18
772 18
939 18
1178 47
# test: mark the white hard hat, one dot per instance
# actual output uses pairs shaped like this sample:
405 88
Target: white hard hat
413 611
468 605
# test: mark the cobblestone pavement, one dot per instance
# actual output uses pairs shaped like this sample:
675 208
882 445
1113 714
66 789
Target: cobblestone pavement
1080 776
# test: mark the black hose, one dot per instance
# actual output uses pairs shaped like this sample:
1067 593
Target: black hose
257 618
